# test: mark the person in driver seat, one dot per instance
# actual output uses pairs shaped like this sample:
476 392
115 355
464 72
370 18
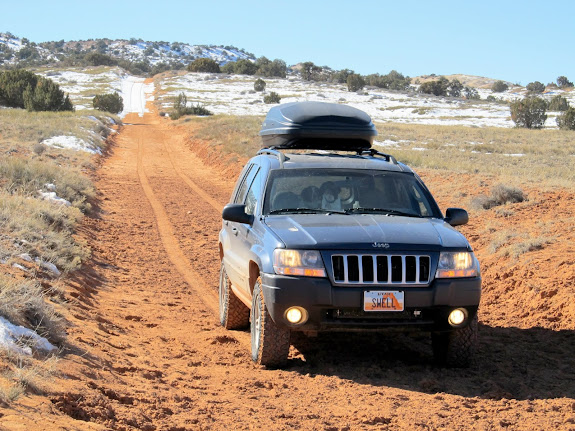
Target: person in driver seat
311 197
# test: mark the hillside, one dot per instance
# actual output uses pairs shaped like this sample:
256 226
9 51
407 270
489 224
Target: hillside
20 51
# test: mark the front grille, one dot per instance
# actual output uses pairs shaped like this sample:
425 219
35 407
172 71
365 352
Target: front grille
380 269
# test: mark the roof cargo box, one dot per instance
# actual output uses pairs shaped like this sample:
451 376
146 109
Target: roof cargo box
317 126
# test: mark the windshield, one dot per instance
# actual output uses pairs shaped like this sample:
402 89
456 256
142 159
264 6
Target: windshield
348 191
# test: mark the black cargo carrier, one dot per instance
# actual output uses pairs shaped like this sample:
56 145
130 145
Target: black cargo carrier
318 126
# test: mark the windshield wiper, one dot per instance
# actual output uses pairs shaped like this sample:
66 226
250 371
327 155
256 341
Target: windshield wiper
305 211
385 211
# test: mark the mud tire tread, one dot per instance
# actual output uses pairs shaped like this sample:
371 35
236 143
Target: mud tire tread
274 341
457 348
235 315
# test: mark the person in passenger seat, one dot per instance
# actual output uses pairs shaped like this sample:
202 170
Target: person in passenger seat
330 196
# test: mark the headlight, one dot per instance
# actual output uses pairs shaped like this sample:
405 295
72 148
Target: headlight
457 265
298 262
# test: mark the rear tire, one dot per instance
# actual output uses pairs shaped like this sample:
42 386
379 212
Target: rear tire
455 349
233 313
270 343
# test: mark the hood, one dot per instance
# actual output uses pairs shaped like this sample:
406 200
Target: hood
364 232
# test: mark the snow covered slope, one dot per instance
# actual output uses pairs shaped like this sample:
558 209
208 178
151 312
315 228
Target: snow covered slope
14 49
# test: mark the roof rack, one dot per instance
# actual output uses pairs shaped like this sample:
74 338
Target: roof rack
372 152
273 152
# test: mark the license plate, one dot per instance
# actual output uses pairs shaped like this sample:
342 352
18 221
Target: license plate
377 300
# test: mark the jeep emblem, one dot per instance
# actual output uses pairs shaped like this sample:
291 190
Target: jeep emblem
380 245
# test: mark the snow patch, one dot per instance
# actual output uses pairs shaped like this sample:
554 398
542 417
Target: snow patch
12 337
71 143
49 267
135 94
54 198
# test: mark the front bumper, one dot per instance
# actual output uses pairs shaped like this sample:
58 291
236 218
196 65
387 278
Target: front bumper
339 308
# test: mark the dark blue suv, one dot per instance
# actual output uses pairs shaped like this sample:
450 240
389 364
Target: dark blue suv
323 233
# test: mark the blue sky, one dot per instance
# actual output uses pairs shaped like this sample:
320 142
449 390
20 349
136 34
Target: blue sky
519 42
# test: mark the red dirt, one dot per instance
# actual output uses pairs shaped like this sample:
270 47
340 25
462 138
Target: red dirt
145 350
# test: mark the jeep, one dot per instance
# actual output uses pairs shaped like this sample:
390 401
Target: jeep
325 233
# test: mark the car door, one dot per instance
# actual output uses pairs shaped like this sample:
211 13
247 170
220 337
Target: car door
249 236
234 253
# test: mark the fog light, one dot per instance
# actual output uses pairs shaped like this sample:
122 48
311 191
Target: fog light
457 316
296 315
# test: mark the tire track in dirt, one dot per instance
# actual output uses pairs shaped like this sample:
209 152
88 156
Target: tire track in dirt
169 237
215 204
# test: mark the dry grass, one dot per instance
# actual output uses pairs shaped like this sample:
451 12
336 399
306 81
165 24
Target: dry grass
500 195
11 391
42 230
24 373
547 156
35 233
20 127
230 134
26 303
513 244
26 177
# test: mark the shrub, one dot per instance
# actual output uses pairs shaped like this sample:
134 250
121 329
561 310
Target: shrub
437 88
245 67
563 82
276 68
499 87
392 81
471 93
228 68
99 59
181 108
273 97
341 76
259 85
454 88
39 148
529 112
111 102
535 87
309 71
204 65
558 103
22 89
46 96
500 195
355 82
566 121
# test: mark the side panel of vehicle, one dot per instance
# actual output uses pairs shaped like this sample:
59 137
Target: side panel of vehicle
230 237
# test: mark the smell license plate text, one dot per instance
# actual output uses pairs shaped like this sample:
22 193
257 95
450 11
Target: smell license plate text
377 300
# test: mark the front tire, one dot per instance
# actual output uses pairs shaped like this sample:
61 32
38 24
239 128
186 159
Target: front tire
269 342
455 349
233 313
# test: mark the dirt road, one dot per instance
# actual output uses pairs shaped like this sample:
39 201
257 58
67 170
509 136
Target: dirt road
146 351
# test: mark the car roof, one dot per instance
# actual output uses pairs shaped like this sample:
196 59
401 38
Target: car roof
332 160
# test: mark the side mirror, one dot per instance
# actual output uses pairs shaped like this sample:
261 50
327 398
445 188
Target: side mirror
237 213
456 216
